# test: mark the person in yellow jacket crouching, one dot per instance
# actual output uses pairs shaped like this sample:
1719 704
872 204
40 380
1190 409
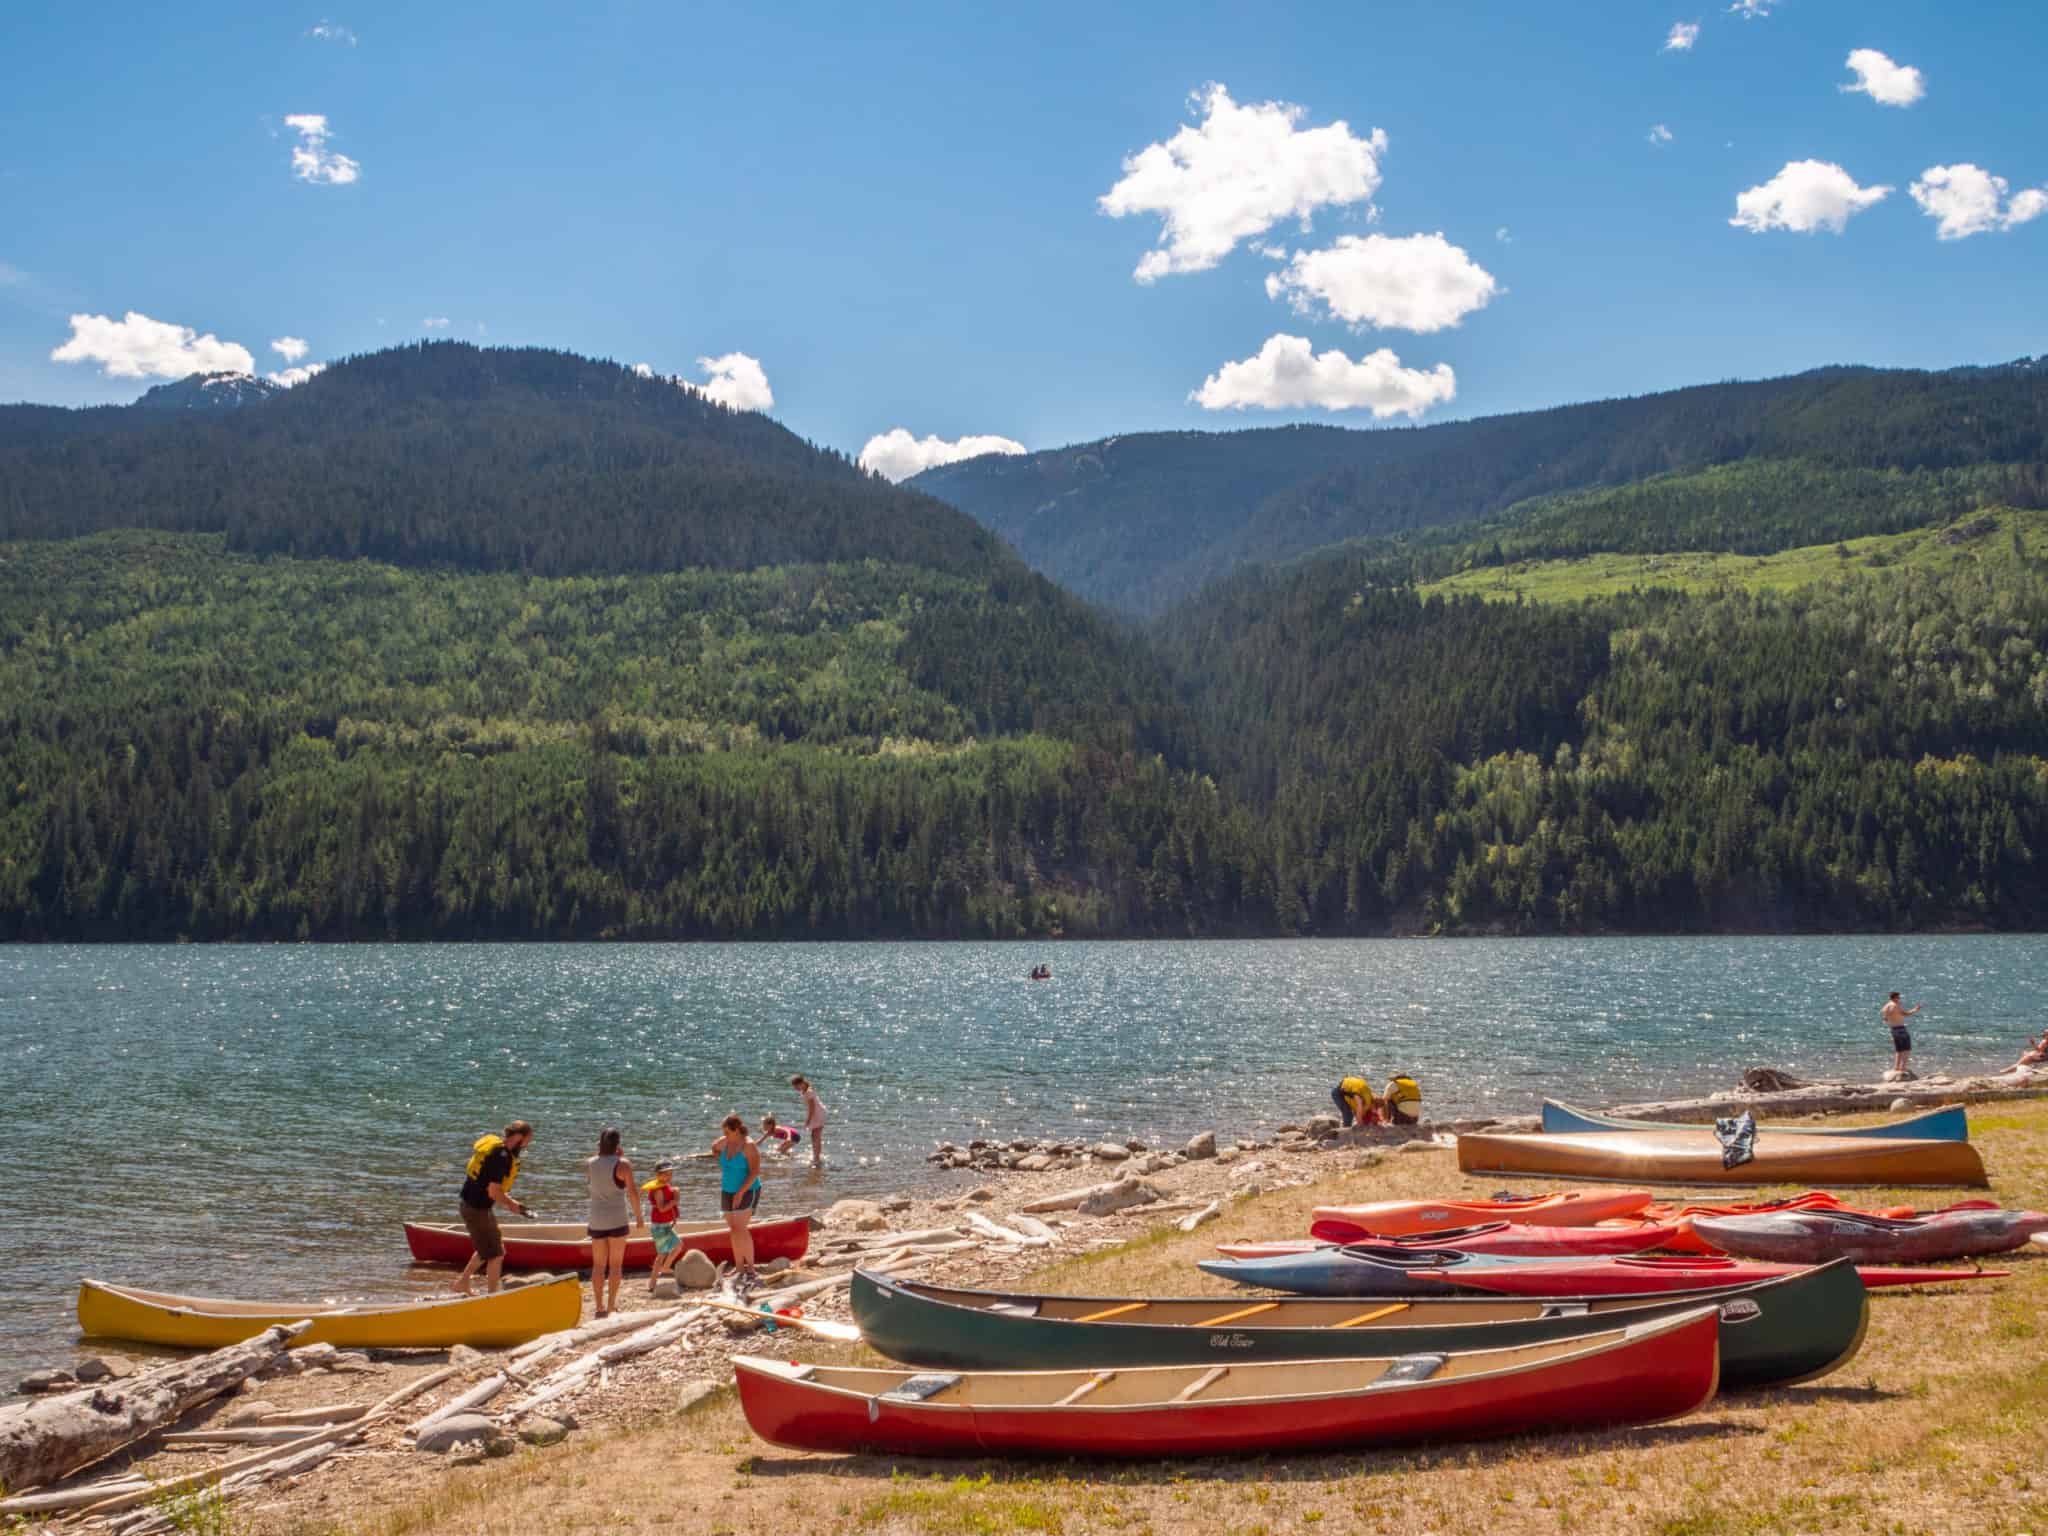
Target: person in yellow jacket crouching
1402 1102
1354 1101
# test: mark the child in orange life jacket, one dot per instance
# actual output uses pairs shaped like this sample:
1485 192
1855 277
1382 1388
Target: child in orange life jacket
662 1206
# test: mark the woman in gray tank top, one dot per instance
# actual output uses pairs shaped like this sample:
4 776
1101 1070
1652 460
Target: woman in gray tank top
610 1178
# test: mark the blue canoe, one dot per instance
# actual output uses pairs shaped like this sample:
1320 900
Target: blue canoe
1949 1123
1357 1270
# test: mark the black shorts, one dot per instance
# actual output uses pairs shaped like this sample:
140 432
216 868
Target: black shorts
745 1200
597 1236
1902 1039
482 1223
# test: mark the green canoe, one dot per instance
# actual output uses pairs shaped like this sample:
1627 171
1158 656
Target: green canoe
1773 1333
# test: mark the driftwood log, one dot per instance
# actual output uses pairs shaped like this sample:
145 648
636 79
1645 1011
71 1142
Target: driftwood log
52 1437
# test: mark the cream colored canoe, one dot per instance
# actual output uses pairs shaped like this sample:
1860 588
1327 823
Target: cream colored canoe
1688 1155
203 1322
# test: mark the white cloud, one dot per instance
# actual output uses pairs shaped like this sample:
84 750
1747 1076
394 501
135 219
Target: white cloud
896 455
290 377
1968 200
312 160
290 348
645 370
1751 10
1681 37
331 32
1888 84
1503 236
1417 283
137 347
735 380
1235 176
1288 374
434 323
1805 196
1659 134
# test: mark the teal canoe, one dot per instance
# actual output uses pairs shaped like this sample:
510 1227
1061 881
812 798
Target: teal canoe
1951 1122
1773 1333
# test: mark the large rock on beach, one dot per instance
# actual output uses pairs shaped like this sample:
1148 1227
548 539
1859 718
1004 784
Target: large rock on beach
38 1382
1034 1162
695 1271
543 1431
439 1439
1200 1146
1110 1152
1317 1124
857 1216
981 1196
667 1288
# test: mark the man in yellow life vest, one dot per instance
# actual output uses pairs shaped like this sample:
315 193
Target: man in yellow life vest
493 1166
1354 1101
1402 1102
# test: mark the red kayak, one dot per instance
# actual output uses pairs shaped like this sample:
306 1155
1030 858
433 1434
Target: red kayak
1636 1375
1637 1275
1562 1208
1689 1241
565 1245
1501 1237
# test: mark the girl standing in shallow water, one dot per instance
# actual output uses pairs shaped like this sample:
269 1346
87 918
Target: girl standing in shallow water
814 1117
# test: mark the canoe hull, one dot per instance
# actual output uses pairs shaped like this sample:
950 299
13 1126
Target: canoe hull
1951 1122
1772 1333
565 1247
1813 1237
484 1322
1562 1208
1693 1157
1646 1276
1518 1240
1659 1371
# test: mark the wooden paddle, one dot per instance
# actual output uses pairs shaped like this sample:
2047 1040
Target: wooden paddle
845 1333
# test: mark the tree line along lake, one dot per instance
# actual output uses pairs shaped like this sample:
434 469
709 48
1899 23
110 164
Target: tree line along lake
258 1119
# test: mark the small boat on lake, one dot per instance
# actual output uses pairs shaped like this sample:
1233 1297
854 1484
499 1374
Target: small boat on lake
1561 1208
1951 1122
1637 1374
1795 1328
566 1245
1813 1236
1692 1156
490 1321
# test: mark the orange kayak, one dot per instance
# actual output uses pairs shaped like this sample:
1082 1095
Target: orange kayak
1563 1208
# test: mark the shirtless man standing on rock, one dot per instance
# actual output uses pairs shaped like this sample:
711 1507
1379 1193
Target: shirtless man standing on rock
1895 1015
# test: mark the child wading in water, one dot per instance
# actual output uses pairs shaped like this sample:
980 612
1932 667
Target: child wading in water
663 1203
814 1117
780 1137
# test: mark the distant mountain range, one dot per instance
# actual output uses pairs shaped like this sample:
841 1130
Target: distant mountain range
210 392
1140 522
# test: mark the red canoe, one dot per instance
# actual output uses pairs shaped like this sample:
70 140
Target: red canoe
1634 1375
1636 1275
1502 1237
564 1245
1564 1208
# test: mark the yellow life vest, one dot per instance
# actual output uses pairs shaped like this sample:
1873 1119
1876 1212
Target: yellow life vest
1403 1090
1355 1087
485 1146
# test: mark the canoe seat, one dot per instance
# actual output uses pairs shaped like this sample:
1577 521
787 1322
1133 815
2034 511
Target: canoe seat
1098 1380
1410 1368
916 1389
1014 1308
1563 1309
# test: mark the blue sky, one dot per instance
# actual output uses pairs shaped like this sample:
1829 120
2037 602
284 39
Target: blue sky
896 211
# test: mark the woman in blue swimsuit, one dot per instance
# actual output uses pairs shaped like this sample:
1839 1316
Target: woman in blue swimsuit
739 1190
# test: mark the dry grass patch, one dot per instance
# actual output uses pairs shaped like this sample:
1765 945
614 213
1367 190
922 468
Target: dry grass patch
1937 1426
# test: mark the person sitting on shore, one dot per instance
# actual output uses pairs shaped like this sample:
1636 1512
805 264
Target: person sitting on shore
486 1185
782 1138
1354 1101
663 1206
1402 1102
2036 1053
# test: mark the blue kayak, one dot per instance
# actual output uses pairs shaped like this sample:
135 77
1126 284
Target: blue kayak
1949 1123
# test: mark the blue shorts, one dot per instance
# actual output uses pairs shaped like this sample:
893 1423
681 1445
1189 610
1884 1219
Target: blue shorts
665 1240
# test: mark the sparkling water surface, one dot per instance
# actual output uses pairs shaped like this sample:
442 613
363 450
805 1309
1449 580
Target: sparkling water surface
256 1121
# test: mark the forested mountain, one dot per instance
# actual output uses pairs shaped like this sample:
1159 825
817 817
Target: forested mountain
630 665
496 459
1140 522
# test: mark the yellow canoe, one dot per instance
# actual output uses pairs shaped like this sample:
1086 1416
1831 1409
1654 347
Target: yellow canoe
202 1322
1685 1155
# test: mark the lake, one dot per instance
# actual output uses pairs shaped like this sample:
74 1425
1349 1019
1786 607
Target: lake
256 1121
